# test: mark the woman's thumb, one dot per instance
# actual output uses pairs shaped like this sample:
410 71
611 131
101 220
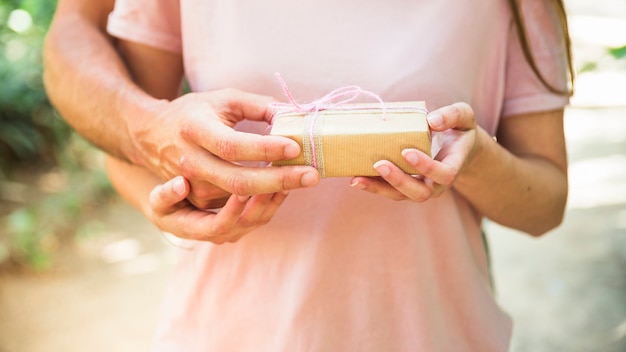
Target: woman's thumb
168 194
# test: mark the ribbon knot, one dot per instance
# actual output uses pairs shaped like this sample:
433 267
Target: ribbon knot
333 100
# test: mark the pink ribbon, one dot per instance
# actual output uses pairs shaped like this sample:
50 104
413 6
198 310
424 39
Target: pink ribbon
332 100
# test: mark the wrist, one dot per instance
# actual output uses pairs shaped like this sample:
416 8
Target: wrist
137 108
481 158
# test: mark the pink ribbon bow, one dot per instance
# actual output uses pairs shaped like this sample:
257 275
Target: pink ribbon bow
333 100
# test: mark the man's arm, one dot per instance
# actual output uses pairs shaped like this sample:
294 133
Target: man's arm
80 64
164 204
89 84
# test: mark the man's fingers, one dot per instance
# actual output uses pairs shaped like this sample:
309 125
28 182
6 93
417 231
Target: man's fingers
248 106
232 145
246 181
213 130
205 195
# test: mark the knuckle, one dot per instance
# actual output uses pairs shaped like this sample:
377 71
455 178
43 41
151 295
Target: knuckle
191 235
217 240
204 191
187 168
239 184
229 92
263 220
285 183
455 112
427 168
201 203
450 177
187 131
224 97
421 197
398 198
246 223
465 107
219 230
200 193
236 238
226 149
267 152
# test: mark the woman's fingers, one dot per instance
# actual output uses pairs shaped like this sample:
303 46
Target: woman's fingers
239 216
258 212
438 172
456 126
458 116
166 196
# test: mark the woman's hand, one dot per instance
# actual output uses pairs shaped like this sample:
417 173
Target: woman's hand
172 213
455 128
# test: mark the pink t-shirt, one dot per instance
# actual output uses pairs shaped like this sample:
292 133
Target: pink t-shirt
339 269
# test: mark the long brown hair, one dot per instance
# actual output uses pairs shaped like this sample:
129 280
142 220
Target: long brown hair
518 18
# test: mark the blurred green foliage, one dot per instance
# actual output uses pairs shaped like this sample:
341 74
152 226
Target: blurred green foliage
618 53
35 142
612 58
29 128
34 233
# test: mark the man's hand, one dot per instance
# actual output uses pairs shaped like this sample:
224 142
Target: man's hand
193 136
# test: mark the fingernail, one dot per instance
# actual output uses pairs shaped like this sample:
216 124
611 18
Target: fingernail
410 156
357 185
382 169
291 151
309 179
243 199
435 120
178 185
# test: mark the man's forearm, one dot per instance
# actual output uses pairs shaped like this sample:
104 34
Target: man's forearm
87 81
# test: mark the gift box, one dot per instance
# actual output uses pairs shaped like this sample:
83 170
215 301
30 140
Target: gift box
347 140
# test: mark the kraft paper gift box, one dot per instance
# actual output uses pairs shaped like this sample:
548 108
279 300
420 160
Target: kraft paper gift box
348 139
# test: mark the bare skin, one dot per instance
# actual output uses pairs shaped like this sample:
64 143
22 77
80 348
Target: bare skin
190 136
167 205
519 182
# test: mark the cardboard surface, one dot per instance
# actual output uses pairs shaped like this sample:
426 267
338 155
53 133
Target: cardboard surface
348 140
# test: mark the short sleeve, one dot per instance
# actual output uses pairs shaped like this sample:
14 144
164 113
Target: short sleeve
154 23
524 92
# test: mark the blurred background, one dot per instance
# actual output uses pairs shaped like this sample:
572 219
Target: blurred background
80 269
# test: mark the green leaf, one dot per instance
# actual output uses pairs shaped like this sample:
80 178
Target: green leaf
618 53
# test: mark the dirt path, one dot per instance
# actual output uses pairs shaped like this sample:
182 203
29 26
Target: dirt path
104 296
